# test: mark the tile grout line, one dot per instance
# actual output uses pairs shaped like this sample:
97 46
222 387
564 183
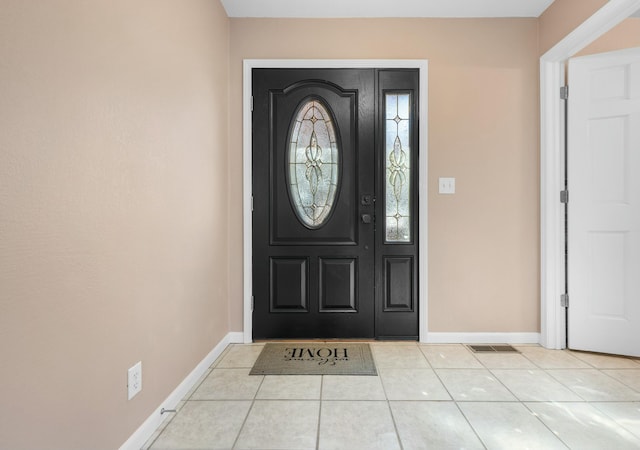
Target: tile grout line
613 419
475 432
533 413
566 385
518 400
490 370
386 397
163 426
395 426
619 381
244 422
591 368
521 402
503 384
319 413
455 402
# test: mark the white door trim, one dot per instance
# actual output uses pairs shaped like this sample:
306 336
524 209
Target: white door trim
250 64
552 77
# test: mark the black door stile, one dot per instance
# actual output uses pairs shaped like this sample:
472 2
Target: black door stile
397 263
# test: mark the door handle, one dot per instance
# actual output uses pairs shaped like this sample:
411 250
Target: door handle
367 218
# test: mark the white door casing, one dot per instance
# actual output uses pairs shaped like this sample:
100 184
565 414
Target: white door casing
604 203
552 77
250 64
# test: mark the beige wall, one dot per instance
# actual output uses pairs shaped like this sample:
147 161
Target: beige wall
113 192
624 35
562 17
120 153
483 130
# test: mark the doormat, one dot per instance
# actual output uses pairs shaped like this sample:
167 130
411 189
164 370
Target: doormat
314 359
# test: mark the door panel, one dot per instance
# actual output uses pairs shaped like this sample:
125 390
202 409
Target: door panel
338 288
342 228
328 267
604 204
398 295
324 265
288 281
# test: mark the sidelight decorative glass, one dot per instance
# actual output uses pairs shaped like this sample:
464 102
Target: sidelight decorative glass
313 163
398 167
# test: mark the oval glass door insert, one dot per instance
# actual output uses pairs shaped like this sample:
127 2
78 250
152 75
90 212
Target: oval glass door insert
313 168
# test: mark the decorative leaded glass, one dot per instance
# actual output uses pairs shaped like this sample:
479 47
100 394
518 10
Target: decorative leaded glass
313 163
398 167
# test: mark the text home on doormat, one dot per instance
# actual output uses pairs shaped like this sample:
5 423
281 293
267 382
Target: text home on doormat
315 359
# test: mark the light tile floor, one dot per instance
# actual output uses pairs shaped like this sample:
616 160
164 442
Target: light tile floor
425 396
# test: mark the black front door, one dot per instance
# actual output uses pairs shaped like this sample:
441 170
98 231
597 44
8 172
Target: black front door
323 266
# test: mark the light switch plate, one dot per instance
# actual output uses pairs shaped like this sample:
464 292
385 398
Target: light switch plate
446 185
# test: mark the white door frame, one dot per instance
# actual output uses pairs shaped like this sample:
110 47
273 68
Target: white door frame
552 77
247 174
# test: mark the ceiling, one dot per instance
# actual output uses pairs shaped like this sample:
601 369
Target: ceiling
385 8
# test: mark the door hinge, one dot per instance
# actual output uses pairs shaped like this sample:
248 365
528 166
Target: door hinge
252 203
564 196
564 92
564 300
252 302
252 103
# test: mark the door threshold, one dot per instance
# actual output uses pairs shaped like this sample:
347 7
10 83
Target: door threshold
381 340
261 341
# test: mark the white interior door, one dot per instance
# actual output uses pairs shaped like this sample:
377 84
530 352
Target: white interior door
604 203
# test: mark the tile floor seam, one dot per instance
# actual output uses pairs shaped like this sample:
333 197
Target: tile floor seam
198 384
537 416
424 357
443 384
471 425
395 426
162 427
610 416
567 386
319 413
383 387
531 361
620 381
222 356
602 371
503 384
455 402
386 396
591 366
244 422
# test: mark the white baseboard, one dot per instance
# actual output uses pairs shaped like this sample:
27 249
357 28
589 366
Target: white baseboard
482 338
144 432
236 337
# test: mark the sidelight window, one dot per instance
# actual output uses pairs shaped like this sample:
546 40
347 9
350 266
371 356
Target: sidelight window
398 167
